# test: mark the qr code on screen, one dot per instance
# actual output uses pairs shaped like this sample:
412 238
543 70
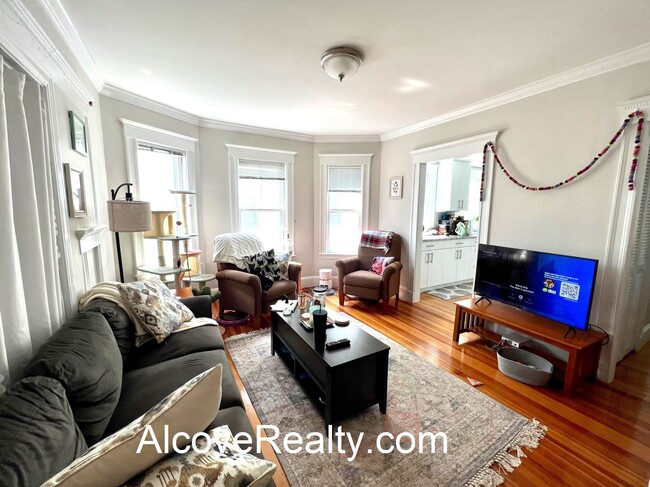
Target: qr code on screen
569 290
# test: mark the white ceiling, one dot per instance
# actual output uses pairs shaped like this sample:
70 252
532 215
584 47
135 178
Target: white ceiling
257 62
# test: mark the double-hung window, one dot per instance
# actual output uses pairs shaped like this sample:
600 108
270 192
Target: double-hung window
161 165
162 173
344 201
262 200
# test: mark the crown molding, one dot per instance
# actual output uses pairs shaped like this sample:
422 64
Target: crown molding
635 103
620 60
26 40
148 104
66 29
249 129
331 139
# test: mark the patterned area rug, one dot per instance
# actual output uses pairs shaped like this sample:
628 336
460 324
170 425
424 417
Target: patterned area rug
481 433
452 292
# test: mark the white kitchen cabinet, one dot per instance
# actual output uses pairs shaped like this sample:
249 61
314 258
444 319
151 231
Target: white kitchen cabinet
452 190
431 272
447 261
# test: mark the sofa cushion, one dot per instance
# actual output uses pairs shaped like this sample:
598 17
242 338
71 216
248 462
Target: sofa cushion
363 278
217 461
142 388
121 324
199 339
156 310
84 357
141 444
235 418
38 435
278 289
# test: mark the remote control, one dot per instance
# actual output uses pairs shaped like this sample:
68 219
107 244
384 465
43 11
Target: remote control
343 342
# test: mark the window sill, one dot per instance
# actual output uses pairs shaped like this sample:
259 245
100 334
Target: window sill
334 256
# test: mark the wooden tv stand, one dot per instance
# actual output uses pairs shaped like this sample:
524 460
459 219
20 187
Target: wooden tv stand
583 346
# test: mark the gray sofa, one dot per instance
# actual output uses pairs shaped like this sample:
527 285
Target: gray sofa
90 377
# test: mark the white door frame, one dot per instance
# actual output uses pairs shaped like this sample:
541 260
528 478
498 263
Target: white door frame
624 212
447 150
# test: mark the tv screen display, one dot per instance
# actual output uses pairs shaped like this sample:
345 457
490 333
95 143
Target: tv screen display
555 286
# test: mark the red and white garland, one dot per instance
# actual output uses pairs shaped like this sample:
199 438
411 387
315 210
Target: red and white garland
635 158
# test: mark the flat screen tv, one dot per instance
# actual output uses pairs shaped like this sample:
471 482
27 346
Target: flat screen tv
558 287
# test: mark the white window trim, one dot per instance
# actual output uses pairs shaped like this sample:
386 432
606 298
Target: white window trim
135 132
327 160
259 154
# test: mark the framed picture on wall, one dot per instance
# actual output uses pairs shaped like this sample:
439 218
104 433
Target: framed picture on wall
75 190
396 187
78 134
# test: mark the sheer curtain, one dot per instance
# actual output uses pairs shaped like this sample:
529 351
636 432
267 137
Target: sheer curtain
31 304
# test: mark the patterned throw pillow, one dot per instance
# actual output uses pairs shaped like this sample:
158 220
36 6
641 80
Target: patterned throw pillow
224 464
115 460
157 311
380 263
283 266
264 266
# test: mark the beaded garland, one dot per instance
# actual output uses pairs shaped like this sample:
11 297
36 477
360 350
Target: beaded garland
635 158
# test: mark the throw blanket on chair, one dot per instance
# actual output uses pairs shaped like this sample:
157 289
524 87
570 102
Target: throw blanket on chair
231 248
376 239
108 290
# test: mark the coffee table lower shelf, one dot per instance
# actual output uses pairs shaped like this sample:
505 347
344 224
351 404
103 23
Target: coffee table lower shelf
339 383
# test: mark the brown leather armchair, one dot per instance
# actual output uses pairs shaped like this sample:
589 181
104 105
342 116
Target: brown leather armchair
355 278
242 291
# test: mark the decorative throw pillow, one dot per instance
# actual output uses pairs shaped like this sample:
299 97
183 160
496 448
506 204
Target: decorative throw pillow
283 266
222 465
114 460
380 263
157 311
264 266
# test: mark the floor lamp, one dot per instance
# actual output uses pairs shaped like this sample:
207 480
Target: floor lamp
127 215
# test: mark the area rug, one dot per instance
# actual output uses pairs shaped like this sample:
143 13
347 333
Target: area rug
452 292
484 438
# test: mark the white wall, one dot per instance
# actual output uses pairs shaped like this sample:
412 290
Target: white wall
214 189
212 184
115 149
543 139
328 262
32 40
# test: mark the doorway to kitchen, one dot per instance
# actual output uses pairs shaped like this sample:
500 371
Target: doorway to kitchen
448 218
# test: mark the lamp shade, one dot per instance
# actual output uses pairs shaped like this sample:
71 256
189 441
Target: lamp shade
129 216
341 62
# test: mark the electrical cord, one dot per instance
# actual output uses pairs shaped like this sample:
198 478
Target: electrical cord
606 339
495 347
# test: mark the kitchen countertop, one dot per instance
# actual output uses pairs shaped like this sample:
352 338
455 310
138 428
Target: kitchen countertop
431 238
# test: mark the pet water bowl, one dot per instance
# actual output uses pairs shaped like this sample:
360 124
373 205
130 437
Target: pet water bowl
524 366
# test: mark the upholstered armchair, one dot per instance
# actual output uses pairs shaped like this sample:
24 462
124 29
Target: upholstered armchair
241 291
355 278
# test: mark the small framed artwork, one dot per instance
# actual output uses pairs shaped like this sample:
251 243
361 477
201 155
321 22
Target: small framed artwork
396 187
74 186
78 134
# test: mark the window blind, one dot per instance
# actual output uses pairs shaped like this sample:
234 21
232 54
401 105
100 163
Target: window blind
159 150
261 170
345 179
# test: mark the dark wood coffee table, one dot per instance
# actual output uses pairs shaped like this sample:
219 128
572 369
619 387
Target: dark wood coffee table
339 382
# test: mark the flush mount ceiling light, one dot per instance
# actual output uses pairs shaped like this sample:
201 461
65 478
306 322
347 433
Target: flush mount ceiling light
341 62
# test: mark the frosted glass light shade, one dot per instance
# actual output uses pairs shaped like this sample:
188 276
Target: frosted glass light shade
129 216
341 62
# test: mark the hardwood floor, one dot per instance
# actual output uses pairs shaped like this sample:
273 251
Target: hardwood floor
598 437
